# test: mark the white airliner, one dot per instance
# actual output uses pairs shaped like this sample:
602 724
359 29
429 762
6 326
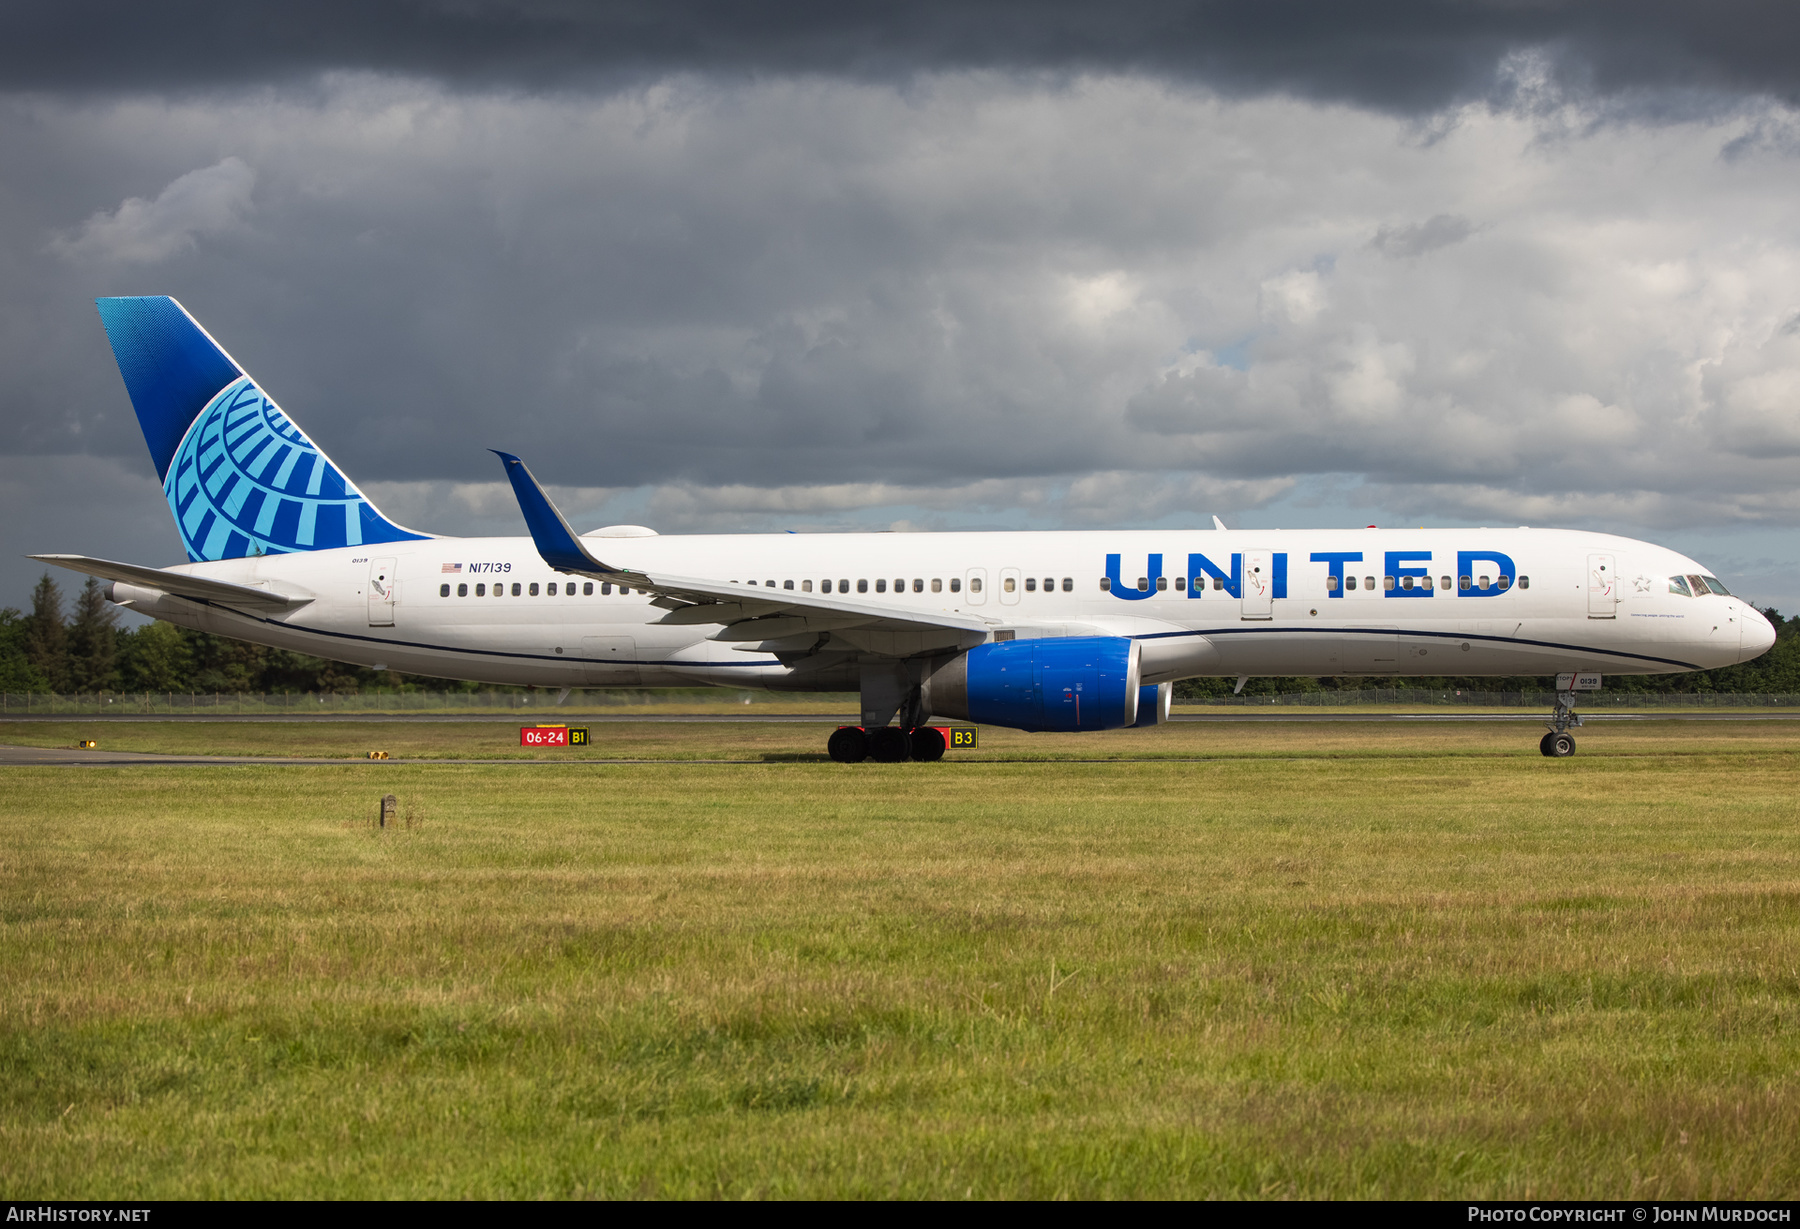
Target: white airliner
1030 630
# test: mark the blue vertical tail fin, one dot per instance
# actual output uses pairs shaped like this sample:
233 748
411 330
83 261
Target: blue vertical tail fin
240 476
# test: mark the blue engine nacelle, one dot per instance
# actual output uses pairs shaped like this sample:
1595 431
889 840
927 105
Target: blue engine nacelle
1153 703
1078 683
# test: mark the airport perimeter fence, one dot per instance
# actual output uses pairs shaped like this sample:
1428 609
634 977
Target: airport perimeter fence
549 705
1423 697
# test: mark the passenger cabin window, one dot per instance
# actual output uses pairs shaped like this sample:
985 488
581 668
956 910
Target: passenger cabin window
1031 584
806 586
956 584
1387 582
1505 582
1524 582
1679 584
443 590
1162 584
974 584
1143 585
1368 582
937 586
768 584
1443 582
1331 584
462 591
1181 584
1406 582
824 586
881 585
1009 584
550 589
516 588
1483 583
862 586
900 585
1068 584
587 589
1462 582
918 584
787 584
843 585
480 590
1106 584
606 588
533 589
1349 582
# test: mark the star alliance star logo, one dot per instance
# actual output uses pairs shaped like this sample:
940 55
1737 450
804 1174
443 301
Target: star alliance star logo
1641 584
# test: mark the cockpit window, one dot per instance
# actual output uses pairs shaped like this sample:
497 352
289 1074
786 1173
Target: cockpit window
1698 586
1679 584
1712 582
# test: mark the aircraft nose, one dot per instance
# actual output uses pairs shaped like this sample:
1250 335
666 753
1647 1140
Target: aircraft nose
1756 635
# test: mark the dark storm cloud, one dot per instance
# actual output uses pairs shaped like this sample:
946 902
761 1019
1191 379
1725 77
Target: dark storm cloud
1396 55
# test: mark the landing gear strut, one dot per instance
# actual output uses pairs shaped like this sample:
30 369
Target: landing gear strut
887 744
1559 743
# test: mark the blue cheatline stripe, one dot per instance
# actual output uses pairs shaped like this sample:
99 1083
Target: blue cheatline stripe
1395 632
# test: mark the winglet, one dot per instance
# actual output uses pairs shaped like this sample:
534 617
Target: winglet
555 541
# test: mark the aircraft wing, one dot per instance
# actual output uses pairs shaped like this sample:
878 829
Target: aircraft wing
181 584
752 615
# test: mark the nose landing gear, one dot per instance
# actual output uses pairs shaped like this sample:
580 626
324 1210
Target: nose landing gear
888 744
1559 743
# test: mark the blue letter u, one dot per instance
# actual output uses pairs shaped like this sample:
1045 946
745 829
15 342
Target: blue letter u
1132 594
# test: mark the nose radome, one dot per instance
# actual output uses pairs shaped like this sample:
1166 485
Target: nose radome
1756 635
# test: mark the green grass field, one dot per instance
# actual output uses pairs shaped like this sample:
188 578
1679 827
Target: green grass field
1344 960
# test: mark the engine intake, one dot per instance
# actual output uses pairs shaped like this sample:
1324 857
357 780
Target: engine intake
1078 683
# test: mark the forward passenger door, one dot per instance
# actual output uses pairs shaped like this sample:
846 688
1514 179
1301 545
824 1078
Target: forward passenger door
1603 587
1259 585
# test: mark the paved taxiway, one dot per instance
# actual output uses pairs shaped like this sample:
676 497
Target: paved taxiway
16 756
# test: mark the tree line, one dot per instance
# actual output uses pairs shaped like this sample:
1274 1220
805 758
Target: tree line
86 651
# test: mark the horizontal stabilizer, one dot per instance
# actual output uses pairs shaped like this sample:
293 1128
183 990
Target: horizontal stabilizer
181 584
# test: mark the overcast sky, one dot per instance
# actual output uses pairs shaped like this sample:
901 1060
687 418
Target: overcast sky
822 266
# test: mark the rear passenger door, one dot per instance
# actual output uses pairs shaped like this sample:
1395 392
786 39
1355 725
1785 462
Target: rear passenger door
382 593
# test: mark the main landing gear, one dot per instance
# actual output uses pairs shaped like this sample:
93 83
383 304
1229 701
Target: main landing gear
888 744
1559 743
